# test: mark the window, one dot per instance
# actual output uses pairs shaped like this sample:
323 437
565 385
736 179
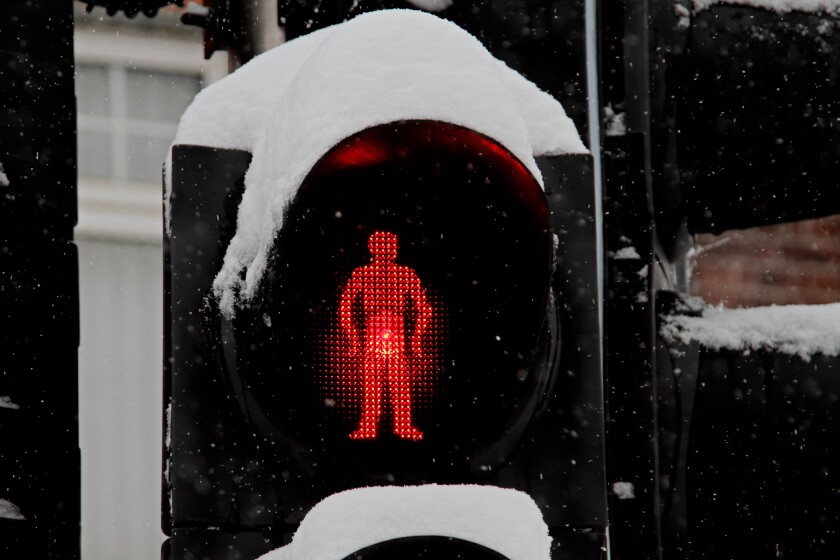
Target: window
134 79
128 118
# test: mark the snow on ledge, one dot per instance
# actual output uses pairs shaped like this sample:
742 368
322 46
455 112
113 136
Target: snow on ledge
507 521
6 402
8 510
291 105
802 330
4 180
779 6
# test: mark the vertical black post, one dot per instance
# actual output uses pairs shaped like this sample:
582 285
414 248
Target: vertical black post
39 319
631 424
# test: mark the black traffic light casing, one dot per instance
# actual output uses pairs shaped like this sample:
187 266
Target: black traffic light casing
757 118
235 463
729 123
736 107
222 463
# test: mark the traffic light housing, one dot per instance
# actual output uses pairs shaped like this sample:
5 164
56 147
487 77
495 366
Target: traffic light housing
691 158
258 432
468 226
774 135
409 227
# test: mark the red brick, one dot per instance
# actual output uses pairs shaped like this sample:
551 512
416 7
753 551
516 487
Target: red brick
790 263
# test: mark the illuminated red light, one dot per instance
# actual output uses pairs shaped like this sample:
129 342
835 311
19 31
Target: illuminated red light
386 343
360 153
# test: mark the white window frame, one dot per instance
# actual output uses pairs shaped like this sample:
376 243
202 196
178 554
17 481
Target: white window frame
118 209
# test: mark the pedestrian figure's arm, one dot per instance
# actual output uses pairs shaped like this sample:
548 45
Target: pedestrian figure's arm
424 314
345 310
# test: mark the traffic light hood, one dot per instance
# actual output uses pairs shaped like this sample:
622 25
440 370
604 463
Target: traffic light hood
505 521
293 104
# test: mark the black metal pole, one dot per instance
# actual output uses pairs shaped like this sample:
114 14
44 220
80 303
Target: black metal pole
39 296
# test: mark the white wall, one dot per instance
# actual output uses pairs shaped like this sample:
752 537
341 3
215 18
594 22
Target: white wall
120 392
121 291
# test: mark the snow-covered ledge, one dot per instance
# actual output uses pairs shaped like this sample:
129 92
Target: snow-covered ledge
779 6
802 330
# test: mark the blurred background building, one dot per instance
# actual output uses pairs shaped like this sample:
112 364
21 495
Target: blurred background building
134 79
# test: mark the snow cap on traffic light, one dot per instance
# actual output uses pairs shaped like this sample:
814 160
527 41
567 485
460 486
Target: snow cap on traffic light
289 106
503 520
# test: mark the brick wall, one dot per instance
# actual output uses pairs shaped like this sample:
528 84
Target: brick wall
797 262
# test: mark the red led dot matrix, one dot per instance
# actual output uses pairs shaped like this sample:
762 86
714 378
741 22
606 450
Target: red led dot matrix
383 352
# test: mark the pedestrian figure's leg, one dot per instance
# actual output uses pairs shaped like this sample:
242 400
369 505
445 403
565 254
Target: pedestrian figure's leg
373 371
399 385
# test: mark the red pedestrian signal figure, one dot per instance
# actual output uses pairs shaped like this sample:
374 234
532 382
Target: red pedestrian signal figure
385 289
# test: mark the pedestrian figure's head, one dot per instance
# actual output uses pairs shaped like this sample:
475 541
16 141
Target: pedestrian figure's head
382 246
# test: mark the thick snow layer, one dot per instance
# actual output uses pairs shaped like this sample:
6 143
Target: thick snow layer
8 510
780 6
6 402
802 330
289 106
507 521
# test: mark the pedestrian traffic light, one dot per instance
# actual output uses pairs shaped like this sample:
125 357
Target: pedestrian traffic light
264 405
424 312
719 116
409 246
